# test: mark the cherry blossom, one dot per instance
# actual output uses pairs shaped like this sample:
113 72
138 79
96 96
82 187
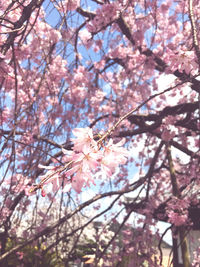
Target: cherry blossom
99 113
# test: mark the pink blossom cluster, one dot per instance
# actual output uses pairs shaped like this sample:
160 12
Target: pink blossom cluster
196 257
68 5
133 244
177 218
168 128
184 61
177 211
104 15
85 37
88 156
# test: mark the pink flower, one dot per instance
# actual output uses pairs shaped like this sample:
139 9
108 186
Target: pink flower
84 137
85 36
104 15
80 178
113 156
50 181
184 61
69 5
88 159
176 218
177 211
118 153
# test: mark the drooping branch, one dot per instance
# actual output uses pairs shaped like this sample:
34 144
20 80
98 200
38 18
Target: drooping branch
18 25
49 229
160 65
